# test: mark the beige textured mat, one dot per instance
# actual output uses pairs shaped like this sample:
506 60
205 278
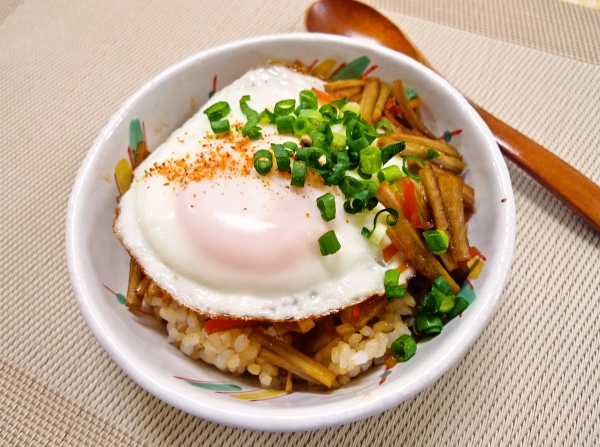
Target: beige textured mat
566 29
533 376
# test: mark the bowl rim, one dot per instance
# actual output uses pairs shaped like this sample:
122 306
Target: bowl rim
329 414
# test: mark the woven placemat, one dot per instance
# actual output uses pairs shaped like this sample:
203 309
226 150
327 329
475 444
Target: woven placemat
531 378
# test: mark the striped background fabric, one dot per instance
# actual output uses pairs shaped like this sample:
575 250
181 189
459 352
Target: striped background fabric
532 378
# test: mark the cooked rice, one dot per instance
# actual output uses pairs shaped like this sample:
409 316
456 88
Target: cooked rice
232 351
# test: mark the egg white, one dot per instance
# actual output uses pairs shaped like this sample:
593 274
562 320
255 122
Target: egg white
233 243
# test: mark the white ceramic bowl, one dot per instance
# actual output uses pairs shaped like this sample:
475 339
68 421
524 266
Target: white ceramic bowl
98 265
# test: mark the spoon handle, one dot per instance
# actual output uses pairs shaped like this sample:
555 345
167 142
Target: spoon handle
566 183
569 185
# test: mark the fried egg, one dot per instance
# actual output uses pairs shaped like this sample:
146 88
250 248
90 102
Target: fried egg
225 241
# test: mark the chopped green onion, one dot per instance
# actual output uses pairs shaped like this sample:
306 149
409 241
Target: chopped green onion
329 244
354 158
439 297
291 146
309 97
250 129
372 188
267 117
370 160
341 157
285 107
390 222
389 174
459 307
431 301
377 235
220 126
303 126
337 175
359 134
318 139
352 107
351 186
437 241
329 112
432 153
447 304
326 205
302 153
363 175
318 161
441 283
389 151
311 114
218 111
404 347
386 125
325 128
282 156
285 124
357 202
339 103
338 143
407 171
263 161
395 292
391 278
215 114
298 173
425 325
302 106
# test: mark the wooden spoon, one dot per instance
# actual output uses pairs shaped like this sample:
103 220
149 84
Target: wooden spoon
351 18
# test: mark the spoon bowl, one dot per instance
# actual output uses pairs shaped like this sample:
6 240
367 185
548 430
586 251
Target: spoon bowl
354 19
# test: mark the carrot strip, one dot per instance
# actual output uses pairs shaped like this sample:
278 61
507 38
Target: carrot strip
224 324
355 312
323 97
389 252
367 310
410 204
403 267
